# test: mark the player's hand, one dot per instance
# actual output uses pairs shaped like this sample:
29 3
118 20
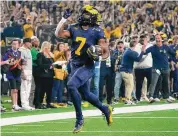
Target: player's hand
67 13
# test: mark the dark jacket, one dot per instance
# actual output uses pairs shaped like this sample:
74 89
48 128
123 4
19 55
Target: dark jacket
44 64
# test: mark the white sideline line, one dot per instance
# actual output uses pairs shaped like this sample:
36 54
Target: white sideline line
10 129
139 117
86 113
31 132
53 122
26 111
28 125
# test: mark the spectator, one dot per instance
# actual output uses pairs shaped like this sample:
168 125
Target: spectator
26 77
4 63
96 79
143 68
118 78
44 62
36 70
126 69
160 68
14 72
107 31
128 19
174 65
158 24
68 68
28 28
106 76
60 75
7 62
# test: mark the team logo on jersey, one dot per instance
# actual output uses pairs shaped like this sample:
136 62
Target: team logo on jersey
163 51
97 29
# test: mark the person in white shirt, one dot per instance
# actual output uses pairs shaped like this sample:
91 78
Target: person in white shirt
26 77
143 70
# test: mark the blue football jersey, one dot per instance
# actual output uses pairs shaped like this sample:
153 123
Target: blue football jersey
81 40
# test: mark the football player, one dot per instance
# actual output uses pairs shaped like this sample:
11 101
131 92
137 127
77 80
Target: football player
84 35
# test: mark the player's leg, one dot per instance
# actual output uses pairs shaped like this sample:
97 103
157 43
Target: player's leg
93 99
76 99
77 79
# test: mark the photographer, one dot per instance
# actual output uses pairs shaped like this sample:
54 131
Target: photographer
14 71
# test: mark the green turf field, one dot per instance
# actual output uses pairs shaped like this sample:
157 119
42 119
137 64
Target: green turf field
157 123
9 113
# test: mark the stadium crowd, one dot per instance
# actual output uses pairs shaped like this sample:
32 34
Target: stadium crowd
37 69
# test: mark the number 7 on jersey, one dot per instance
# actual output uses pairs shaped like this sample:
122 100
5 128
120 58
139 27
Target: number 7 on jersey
82 40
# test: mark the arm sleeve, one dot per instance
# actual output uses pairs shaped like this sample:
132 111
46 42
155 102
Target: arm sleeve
136 56
58 54
148 50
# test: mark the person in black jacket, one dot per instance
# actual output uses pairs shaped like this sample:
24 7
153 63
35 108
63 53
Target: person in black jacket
107 77
45 61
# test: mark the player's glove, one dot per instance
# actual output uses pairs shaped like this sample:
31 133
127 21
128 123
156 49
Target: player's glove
94 52
67 13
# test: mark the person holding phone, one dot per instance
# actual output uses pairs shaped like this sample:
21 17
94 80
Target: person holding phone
44 62
14 71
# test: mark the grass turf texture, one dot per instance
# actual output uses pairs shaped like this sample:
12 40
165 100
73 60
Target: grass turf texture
8 107
125 125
